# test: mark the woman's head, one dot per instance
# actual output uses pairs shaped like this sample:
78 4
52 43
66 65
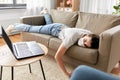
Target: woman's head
89 40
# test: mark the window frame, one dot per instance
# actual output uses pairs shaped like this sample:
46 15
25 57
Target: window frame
14 5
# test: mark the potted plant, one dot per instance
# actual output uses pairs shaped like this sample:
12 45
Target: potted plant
117 8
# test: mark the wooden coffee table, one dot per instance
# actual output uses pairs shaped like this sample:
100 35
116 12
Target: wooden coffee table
7 59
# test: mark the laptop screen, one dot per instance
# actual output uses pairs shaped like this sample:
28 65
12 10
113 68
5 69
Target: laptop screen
6 38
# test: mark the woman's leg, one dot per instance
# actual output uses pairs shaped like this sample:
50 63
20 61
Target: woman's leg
51 29
27 28
88 73
45 29
22 27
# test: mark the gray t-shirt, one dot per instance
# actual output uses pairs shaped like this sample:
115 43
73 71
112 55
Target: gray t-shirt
70 36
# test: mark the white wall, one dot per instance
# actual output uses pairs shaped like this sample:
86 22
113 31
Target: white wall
10 16
97 6
50 4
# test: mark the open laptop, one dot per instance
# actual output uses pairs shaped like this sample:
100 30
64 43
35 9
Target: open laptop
22 50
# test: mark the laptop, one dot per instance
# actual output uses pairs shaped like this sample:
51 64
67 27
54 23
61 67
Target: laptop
22 50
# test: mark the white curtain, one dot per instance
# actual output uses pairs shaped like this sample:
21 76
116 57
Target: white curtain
97 6
35 6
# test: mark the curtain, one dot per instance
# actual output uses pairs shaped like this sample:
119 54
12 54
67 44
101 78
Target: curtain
97 6
35 6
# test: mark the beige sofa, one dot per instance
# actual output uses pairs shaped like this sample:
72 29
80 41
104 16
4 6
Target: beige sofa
107 26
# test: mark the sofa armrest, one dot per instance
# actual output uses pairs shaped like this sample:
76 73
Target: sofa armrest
109 47
33 20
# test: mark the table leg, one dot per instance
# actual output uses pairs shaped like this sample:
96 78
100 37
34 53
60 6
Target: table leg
1 73
30 68
42 70
12 73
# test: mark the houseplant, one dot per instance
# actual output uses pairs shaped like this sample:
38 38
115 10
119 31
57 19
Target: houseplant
117 8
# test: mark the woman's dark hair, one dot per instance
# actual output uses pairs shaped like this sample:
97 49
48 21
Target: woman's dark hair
94 41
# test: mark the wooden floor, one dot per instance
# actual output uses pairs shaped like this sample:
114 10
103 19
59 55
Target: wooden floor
14 38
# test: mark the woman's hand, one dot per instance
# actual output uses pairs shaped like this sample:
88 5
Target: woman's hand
69 74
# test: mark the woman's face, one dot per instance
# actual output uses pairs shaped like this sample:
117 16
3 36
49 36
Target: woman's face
85 41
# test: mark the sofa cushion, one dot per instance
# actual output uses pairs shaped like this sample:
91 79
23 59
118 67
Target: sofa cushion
68 18
54 43
97 23
41 38
83 54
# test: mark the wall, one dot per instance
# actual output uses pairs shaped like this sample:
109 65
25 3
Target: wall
97 6
10 16
51 4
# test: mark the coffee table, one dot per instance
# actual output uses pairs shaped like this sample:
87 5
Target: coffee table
7 59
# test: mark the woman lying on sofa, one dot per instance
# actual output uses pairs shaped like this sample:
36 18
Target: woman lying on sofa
69 36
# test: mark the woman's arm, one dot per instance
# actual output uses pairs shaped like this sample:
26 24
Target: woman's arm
59 54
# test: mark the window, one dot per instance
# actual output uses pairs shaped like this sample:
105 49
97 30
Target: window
21 1
12 3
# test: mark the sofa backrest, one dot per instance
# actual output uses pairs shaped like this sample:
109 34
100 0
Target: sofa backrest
68 18
97 23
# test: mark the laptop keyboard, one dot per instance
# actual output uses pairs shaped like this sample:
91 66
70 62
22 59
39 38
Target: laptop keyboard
27 49
35 49
23 50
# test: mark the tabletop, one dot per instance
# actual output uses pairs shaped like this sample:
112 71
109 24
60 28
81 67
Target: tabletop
7 59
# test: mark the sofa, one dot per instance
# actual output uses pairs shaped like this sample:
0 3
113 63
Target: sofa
107 26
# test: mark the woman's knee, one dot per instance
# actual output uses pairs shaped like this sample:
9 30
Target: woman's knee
79 73
82 68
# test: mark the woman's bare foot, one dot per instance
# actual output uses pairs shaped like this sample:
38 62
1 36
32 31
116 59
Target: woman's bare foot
9 29
44 11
